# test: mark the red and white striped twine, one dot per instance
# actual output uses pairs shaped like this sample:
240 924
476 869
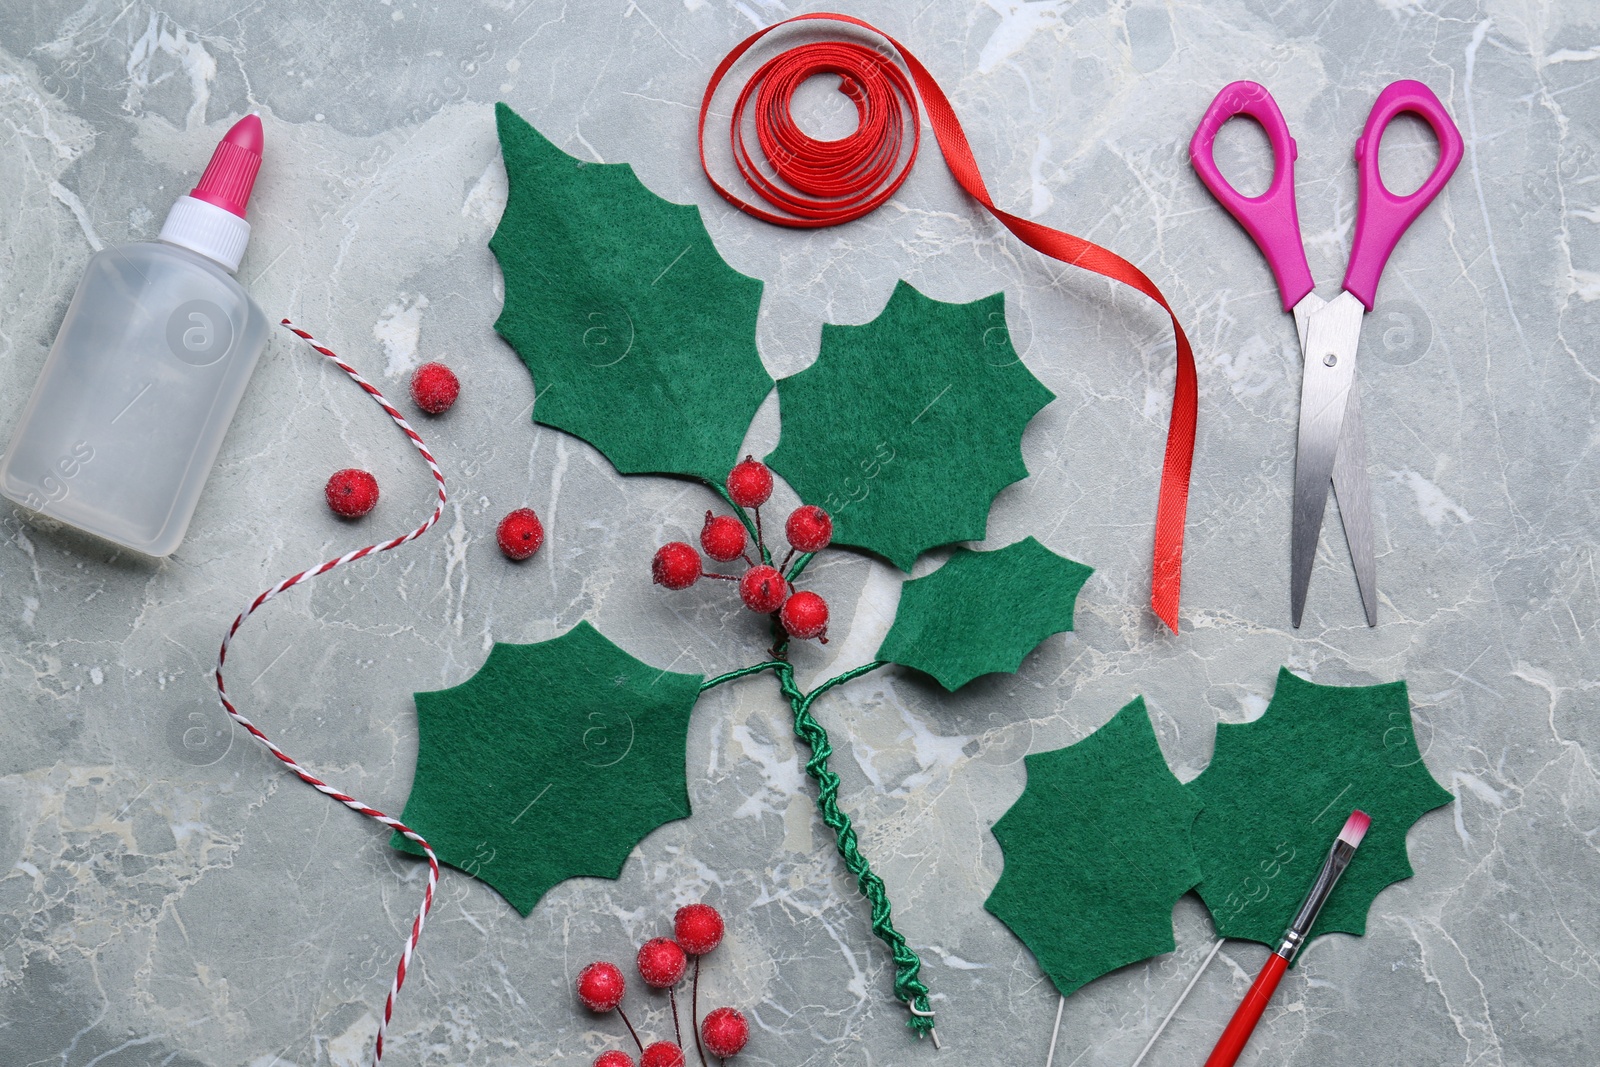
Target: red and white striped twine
307 776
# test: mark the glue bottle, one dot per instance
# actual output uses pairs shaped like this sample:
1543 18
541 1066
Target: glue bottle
147 370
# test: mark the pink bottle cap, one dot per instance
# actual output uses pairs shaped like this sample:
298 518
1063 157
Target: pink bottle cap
232 172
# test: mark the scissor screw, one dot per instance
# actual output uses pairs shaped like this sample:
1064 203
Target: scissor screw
1329 360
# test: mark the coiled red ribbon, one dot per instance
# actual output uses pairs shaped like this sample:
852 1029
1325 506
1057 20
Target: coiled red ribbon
822 183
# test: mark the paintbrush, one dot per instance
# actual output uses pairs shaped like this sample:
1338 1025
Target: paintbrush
1243 1024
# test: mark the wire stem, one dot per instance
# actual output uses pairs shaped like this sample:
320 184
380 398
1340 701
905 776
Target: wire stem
1055 1033
1181 998
799 565
631 1030
907 986
694 1012
735 675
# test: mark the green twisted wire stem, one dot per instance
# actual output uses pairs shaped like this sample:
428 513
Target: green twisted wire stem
732 676
907 986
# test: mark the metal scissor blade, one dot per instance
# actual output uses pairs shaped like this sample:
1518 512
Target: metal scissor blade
1330 365
1350 482
1354 490
1309 305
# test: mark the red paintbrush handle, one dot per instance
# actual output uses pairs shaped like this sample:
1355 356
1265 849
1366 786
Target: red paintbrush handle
1243 1024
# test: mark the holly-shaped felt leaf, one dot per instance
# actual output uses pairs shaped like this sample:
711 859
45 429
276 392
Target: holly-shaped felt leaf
641 340
906 428
983 611
1278 790
1097 852
553 761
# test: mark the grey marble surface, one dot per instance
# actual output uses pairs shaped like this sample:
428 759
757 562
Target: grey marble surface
168 895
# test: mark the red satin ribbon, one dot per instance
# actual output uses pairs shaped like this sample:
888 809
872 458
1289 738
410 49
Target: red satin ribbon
822 183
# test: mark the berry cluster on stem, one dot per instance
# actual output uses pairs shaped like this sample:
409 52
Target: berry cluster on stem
769 589
764 588
662 961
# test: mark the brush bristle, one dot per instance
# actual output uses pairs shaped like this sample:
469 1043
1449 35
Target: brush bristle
1355 828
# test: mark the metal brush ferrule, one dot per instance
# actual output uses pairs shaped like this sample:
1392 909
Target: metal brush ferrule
1294 938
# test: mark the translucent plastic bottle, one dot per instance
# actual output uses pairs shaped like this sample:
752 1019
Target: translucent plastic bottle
147 370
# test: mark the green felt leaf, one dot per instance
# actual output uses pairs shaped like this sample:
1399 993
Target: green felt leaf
1097 852
983 611
1278 791
641 340
906 428
553 761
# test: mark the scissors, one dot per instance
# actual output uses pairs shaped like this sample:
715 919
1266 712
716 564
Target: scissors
1331 444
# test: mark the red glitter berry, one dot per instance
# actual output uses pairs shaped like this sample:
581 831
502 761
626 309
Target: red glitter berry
725 1032
698 928
661 963
805 615
662 1054
809 528
763 589
600 986
722 537
520 534
676 566
351 492
750 483
613 1058
435 387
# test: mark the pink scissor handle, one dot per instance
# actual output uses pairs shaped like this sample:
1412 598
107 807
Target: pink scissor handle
1382 217
1270 219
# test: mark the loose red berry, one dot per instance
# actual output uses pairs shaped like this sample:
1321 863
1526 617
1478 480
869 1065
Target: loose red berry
698 928
662 1054
676 566
613 1058
722 537
750 483
351 492
763 589
809 528
805 615
520 534
600 986
435 387
661 962
725 1032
